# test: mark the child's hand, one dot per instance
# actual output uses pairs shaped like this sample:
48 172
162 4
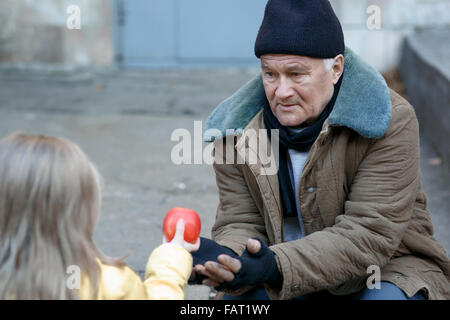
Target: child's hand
178 239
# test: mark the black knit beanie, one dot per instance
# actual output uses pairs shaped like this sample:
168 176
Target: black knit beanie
302 27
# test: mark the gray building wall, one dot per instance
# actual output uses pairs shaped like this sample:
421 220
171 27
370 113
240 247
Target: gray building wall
34 32
399 18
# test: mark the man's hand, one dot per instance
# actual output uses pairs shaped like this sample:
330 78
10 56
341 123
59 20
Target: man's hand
208 252
218 273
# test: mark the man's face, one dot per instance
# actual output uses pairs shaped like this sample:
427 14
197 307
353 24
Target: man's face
297 87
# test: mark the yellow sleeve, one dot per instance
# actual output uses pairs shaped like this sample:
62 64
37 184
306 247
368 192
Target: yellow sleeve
122 284
167 272
115 284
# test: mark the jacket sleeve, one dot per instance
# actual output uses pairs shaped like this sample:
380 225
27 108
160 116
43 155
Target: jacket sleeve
237 217
167 272
376 214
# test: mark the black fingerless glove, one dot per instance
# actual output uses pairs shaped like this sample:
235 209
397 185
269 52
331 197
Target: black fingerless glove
209 251
256 270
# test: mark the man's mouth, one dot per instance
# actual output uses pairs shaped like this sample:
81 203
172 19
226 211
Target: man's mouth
287 105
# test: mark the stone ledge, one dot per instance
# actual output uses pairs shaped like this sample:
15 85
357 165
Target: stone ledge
425 69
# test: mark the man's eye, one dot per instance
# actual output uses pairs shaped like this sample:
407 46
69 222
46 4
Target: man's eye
268 74
296 74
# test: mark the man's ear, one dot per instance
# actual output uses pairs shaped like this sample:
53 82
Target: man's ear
338 68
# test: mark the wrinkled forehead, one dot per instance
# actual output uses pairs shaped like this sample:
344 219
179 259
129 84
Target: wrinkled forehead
287 60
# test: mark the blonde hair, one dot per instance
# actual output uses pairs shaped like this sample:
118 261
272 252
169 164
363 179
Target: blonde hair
50 202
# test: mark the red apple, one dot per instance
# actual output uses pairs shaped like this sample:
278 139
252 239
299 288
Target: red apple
192 221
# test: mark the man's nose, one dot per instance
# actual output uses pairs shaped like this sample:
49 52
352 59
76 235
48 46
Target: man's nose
284 89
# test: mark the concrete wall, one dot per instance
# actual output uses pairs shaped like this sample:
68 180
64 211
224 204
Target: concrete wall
381 47
425 68
35 32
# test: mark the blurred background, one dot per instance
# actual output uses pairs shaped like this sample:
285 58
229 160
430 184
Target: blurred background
118 76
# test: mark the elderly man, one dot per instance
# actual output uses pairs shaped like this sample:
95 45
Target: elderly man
346 200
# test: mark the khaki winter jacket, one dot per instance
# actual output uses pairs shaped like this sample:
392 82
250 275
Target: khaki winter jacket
360 193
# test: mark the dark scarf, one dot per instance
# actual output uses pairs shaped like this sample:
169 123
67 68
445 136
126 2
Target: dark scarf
301 141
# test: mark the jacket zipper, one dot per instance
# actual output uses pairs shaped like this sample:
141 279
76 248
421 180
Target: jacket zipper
316 151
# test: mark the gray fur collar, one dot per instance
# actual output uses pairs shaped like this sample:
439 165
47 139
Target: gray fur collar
363 103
